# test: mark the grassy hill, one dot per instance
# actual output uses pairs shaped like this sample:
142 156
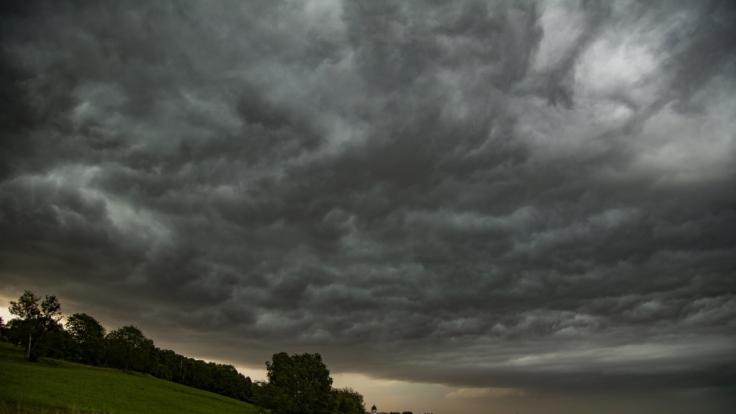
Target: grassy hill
54 386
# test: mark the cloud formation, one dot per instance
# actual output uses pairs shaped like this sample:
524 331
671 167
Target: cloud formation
514 195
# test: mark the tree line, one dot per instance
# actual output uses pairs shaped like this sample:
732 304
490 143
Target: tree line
38 329
297 384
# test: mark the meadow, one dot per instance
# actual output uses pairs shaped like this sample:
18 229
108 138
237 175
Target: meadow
59 387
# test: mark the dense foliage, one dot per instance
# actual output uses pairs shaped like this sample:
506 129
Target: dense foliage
348 401
88 337
301 384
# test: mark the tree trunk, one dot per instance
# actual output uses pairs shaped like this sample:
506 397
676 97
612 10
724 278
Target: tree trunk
28 350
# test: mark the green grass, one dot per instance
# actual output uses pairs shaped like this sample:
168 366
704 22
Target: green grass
59 387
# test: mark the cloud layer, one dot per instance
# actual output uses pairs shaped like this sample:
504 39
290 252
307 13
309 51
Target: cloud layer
521 195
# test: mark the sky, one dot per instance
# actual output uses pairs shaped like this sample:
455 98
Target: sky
465 207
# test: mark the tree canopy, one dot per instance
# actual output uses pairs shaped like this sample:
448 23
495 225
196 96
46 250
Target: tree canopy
129 348
88 337
348 401
301 384
35 321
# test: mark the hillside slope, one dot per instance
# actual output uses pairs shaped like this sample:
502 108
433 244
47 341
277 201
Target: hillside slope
71 387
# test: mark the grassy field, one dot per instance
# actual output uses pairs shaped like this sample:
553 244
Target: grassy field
52 386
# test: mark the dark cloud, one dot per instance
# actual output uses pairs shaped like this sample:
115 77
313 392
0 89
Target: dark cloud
519 194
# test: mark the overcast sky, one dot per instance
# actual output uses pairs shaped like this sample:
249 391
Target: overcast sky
464 206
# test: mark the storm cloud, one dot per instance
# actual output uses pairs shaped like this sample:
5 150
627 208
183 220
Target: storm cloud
531 195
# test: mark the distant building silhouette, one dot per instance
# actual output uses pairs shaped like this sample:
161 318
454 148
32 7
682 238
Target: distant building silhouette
374 410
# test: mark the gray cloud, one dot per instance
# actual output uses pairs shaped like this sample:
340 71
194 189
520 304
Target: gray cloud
520 194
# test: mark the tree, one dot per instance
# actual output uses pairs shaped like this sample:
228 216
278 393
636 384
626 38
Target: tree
129 349
300 384
2 329
264 394
88 337
348 401
34 322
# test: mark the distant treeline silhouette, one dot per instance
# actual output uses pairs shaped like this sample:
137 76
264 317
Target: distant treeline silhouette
298 384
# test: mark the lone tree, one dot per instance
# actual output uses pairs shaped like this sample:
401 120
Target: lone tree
34 322
301 384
